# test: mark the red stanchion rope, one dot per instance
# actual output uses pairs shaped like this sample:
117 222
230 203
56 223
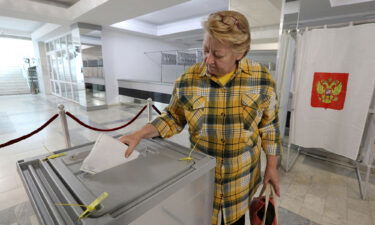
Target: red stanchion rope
30 134
156 109
105 130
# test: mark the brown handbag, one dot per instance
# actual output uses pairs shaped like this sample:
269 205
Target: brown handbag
264 209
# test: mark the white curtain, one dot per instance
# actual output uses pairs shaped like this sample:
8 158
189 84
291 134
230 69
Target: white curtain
284 75
336 50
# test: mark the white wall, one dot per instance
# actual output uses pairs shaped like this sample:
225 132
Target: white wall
124 58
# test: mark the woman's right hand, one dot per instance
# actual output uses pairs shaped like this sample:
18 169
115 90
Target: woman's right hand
131 140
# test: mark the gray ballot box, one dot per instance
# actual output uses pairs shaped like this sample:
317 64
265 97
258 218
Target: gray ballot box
156 188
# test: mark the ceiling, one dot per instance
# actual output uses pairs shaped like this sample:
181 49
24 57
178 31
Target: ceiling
59 3
182 23
173 20
335 3
26 16
186 10
19 24
327 12
319 12
259 12
17 27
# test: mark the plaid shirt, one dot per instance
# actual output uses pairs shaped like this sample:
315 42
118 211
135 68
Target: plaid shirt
232 123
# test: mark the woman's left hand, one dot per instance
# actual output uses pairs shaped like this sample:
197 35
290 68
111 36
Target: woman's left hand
271 176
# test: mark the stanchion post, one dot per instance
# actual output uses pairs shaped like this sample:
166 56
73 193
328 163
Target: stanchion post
149 109
64 125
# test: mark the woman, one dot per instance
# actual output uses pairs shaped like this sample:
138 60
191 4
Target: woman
229 103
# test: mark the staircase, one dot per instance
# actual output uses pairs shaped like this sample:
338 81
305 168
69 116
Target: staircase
12 81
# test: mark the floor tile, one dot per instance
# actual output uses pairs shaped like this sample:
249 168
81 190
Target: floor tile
8 183
314 203
358 218
12 198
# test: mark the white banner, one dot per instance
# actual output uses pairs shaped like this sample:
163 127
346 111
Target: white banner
325 116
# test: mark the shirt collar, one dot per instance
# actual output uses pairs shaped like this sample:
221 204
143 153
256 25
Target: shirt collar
239 69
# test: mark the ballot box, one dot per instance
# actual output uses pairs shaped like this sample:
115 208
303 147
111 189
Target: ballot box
156 188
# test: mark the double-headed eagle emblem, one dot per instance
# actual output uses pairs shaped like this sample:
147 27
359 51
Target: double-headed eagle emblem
328 90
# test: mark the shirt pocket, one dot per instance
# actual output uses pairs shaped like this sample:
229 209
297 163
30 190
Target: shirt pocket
253 106
195 109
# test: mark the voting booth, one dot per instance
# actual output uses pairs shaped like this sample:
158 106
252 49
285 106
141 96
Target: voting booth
155 188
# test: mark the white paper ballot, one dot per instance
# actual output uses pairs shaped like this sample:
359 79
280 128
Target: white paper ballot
107 153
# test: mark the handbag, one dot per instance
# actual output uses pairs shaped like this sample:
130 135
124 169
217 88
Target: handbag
264 209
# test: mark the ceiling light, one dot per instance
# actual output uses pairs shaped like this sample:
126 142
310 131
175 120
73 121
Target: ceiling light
335 3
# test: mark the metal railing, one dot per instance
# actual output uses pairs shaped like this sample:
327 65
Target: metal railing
62 114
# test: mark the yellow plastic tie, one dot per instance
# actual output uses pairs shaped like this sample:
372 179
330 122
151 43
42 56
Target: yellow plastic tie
189 157
89 208
93 205
185 159
53 155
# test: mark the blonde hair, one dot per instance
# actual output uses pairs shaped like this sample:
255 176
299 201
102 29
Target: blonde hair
230 27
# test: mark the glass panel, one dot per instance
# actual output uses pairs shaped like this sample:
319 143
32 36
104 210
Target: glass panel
66 65
54 67
72 64
57 88
57 44
85 68
49 59
63 43
53 87
100 68
60 66
98 91
52 45
69 41
75 93
92 67
68 88
63 89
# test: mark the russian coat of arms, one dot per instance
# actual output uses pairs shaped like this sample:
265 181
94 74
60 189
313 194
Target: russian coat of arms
329 90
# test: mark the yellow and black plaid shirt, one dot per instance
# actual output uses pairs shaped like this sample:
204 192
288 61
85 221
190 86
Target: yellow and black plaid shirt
232 123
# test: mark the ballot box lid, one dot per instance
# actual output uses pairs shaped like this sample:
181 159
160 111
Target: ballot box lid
128 185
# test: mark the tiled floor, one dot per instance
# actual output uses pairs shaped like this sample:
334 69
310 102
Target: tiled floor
322 192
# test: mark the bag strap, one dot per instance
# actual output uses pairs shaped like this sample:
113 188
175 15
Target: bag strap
268 190
275 203
261 193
